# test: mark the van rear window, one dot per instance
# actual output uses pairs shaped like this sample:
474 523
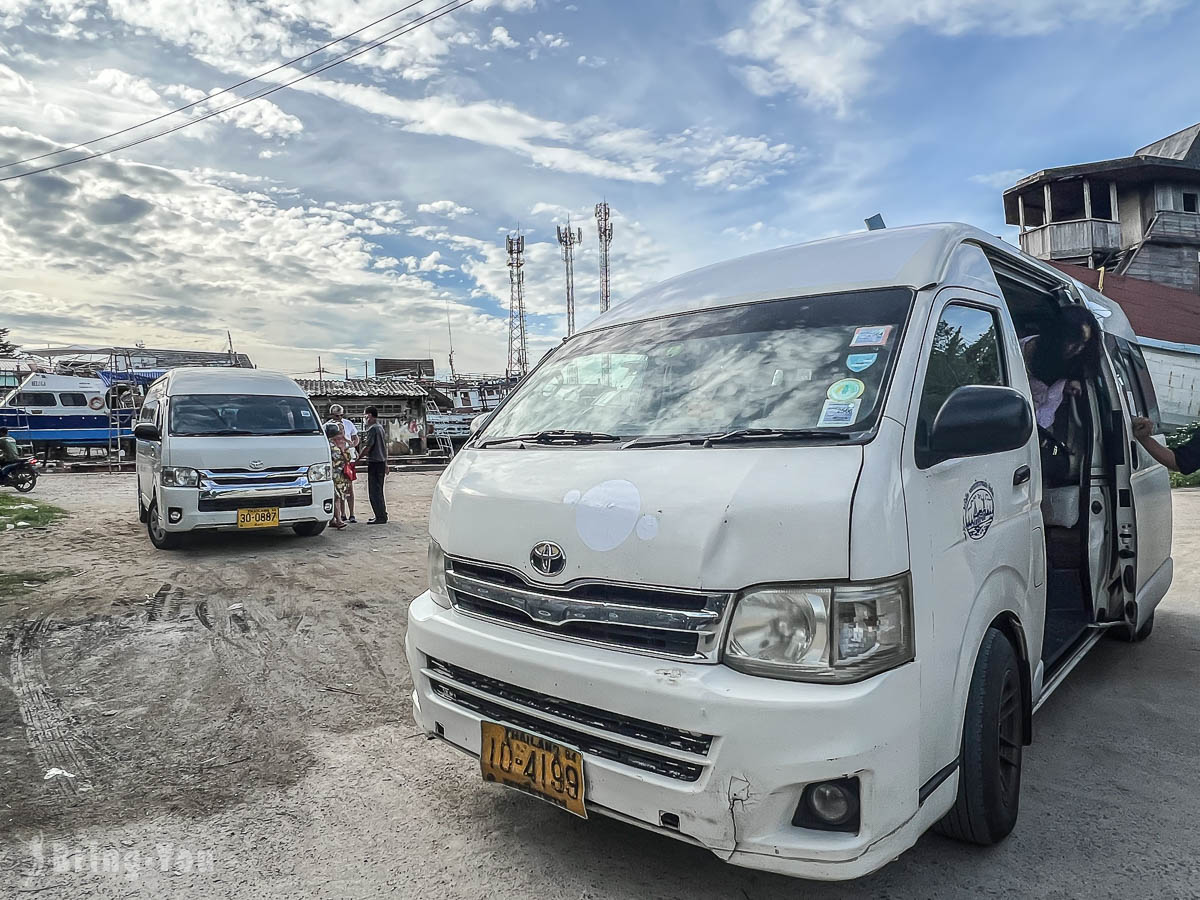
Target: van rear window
804 363
202 415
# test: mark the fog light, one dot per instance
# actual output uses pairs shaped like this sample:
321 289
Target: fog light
328 506
174 514
829 806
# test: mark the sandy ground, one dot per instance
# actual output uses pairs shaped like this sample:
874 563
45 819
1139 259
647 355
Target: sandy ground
236 718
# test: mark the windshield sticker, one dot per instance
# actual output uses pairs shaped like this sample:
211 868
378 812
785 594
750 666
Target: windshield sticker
838 413
306 414
847 389
979 509
871 336
860 362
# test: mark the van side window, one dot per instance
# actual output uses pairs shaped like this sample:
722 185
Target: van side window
966 351
1134 376
148 411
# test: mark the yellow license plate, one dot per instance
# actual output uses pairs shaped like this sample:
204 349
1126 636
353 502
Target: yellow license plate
264 517
533 765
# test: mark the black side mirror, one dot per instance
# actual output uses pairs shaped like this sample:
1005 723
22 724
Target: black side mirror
146 431
976 420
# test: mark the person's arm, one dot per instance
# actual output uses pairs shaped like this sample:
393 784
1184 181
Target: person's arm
1143 431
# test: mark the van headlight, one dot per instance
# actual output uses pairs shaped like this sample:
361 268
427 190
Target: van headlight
437 575
320 472
833 633
180 476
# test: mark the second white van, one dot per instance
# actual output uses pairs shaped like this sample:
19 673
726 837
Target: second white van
230 449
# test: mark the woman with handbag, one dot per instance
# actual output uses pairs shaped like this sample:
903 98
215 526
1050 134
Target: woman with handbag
342 455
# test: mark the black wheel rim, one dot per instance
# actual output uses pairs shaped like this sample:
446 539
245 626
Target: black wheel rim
1010 736
24 482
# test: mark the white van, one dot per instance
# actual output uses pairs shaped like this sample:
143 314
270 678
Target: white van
764 558
230 449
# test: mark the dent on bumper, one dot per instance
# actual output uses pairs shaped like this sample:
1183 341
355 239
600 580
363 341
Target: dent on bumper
771 739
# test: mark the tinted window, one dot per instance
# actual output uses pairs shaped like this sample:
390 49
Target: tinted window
35 398
1134 376
148 411
241 414
966 350
73 399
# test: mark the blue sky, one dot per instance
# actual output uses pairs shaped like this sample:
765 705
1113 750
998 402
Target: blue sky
349 218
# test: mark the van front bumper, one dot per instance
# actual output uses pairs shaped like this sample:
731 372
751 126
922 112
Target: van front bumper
192 518
770 739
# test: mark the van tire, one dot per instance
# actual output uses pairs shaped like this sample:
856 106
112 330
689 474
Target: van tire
989 779
160 537
143 516
1129 636
309 529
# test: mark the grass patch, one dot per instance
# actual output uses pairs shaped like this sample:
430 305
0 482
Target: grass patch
19 511
14 584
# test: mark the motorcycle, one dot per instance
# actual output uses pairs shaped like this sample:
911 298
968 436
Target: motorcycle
22 476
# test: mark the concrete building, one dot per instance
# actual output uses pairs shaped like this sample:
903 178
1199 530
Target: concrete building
1135 223
1137 216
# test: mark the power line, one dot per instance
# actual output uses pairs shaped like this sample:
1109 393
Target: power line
408 27
232 87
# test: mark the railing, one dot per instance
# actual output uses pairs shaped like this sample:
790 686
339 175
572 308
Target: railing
1077 237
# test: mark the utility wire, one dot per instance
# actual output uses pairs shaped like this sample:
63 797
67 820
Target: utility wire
232 87
411 25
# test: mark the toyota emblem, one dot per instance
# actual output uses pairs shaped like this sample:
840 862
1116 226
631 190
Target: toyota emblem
548 558
256 464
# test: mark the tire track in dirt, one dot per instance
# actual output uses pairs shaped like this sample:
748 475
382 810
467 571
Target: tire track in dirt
54 736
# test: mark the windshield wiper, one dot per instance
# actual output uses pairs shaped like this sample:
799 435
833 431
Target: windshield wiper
741 434
555 436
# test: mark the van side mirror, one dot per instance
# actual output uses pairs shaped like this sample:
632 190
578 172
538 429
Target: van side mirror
976 420
146 431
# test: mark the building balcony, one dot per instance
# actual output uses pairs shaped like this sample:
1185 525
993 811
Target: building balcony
1074 239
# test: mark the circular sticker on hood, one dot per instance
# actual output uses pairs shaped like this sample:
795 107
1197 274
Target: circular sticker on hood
846 389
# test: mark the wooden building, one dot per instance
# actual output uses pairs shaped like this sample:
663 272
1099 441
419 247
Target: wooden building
1138 216
400 401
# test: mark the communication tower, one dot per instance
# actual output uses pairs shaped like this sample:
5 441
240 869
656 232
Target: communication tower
605 229
518 359
568 237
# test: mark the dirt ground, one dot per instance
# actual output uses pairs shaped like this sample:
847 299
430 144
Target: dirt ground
236 719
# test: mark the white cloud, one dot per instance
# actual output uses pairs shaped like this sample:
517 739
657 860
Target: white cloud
592 62
262 117
447 209
501 38
824 51
12 82
122 84
1000 180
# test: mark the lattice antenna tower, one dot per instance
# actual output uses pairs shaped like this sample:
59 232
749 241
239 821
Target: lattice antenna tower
568 237
605 230
518 358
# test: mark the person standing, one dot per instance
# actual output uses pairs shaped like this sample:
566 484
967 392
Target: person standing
342 455
374 450
350 433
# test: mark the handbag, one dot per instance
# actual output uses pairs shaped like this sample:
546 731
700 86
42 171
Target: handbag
1056 458
350 472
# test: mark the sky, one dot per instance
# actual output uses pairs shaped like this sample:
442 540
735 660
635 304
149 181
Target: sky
363 212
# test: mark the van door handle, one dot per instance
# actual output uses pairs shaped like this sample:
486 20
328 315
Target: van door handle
1021 476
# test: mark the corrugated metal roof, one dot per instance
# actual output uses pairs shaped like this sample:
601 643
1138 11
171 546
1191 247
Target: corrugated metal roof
362 387
1174 146
1155 310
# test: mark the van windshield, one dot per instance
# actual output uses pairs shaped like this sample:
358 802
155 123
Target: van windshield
809 363
199 415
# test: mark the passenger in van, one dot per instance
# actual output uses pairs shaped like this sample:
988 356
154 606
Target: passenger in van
1185 458
1059 359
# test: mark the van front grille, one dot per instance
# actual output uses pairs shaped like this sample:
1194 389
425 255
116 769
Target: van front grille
676 623
557 719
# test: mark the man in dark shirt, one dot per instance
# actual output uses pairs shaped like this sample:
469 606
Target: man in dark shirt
374 449
9 455
1185 459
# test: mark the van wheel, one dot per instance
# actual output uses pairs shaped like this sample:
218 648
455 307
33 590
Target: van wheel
989 781
159 536
309 529
1129 636
142 516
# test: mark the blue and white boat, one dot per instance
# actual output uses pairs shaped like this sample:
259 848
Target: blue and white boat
68 410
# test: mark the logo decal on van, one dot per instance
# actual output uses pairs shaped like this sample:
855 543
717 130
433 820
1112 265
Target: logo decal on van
979 509
548 558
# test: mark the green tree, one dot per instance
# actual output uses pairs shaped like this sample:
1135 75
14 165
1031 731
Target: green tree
6 347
